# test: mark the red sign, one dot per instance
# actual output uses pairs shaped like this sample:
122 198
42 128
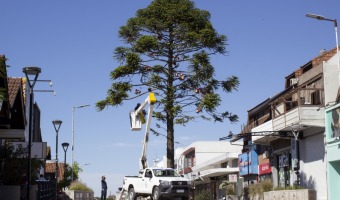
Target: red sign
265 168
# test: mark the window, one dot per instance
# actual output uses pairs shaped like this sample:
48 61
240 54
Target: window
224 165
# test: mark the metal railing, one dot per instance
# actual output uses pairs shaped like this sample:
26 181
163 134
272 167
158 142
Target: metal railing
46 190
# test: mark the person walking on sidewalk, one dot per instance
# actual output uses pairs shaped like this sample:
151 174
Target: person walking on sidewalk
104 189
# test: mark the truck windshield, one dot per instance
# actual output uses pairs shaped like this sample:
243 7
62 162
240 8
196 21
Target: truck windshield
165 172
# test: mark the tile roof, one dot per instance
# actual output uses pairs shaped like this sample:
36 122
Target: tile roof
325 56
14 85
50 168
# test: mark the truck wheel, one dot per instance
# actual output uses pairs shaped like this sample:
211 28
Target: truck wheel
132 194
155 194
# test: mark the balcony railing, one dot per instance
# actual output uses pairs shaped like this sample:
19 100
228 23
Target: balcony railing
294 106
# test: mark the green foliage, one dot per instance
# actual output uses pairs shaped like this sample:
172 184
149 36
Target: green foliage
111 198
168 49
228 187
267 185
14 165
295 187
146 43
230 84
68 172
3 75
115 95
202 195
230 190
78 185
260 187
76 171
254 190
224 185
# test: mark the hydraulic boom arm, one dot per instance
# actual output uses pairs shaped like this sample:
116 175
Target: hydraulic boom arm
137 119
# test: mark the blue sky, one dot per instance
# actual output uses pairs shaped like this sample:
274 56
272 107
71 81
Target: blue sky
73 42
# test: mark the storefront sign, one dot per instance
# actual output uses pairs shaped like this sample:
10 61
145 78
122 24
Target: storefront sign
253 168
243 164
265 168
232 178
294 153
284 159
248 163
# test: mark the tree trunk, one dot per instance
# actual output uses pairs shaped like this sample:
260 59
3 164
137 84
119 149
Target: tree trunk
170 144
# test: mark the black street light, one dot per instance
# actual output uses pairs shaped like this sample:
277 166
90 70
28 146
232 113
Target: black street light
56 124
65 147
33 73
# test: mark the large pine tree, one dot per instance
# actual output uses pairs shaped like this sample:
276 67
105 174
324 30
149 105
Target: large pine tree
168 49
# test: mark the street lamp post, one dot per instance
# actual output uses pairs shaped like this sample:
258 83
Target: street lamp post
56 124
65 147
193 177
84 165
73 109
32 72
320 17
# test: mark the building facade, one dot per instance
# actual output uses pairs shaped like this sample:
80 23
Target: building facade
333 151
288 129
210 163
291 138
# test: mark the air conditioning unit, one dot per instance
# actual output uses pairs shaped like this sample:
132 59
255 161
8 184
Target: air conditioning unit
293 81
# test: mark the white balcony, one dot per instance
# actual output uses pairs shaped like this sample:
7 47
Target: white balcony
304 116
218 172
216 161
12 133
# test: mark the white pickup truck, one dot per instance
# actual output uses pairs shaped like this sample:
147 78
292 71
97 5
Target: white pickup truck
158 184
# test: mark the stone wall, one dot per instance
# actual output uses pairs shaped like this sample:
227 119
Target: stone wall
303 194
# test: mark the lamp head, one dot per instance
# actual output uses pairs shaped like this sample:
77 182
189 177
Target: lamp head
65 146
57 124
319 17
32 72
82 106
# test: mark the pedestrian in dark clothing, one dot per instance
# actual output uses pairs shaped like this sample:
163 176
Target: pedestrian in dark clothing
104 189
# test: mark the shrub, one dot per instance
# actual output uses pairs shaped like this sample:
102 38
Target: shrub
78 185
230 190
13 167
259 188
295 187
202 195
228 187
254 189
266 185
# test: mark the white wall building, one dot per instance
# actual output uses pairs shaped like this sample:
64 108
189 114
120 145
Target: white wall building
292 124
209 163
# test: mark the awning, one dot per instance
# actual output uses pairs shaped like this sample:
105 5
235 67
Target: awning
265 140
218 172
189 150
218 159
